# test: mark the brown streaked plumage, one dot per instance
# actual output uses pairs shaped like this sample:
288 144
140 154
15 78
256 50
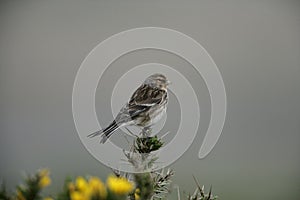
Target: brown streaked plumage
146 107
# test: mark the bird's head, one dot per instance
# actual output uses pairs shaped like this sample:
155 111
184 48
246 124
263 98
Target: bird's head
157 80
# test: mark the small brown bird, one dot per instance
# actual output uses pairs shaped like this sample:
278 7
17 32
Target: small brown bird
146 107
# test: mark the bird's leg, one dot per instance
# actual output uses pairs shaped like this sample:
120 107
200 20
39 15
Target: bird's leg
146 132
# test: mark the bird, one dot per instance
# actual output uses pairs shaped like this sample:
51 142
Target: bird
145 108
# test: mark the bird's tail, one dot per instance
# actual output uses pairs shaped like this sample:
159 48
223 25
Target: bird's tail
105 133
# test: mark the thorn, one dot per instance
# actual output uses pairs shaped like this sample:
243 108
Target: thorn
209 194
198 185
178 192
195 192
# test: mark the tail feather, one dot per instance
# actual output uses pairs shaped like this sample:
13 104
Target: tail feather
106 133
95 134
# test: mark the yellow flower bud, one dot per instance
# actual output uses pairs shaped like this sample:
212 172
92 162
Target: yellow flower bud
71 187
20 195
81 184
119 186
137 194
77 196
97 187
44 179
48 198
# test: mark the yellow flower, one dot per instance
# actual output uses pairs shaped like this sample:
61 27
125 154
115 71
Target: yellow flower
76 195
137 194
20 195
119 186
81 184
44 179
83 188
97 187
47 198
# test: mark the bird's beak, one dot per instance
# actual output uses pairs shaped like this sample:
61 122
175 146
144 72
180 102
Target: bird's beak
169 82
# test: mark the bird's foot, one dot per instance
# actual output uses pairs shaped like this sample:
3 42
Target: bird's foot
146 132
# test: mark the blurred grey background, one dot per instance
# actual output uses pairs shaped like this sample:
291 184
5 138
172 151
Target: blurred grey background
255 44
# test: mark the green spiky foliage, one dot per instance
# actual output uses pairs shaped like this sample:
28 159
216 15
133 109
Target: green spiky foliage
145 184
150 184
162 182
199 194
31 189
64 194
148 144
3 193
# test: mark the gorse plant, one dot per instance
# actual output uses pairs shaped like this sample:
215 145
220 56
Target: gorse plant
148 185
31 189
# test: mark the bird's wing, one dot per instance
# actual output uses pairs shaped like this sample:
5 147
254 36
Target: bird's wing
141 101
147 96
144 98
